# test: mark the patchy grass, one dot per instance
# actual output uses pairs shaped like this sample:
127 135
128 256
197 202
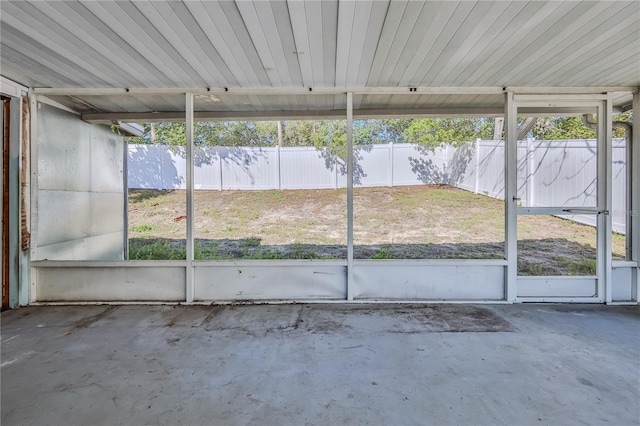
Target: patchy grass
143 227
156 249
412 222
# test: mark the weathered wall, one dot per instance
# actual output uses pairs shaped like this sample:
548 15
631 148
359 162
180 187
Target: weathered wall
80 189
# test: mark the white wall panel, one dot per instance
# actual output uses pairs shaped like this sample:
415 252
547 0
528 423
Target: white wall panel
263 281
556 287
63 216
377 280
80 189
622 283
106 160
64 151
95 284
103 246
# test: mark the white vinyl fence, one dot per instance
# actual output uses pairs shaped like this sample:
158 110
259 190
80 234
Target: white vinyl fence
550 173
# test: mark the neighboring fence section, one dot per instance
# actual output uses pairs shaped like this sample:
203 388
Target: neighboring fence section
550 173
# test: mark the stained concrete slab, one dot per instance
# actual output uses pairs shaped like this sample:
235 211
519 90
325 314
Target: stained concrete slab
321 364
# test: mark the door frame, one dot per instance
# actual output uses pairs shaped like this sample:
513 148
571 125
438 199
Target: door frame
585 289
4 204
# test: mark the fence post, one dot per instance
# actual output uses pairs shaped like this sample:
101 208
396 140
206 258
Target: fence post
278 182
335 172
391 164
445 166
219 150
477 166
531 172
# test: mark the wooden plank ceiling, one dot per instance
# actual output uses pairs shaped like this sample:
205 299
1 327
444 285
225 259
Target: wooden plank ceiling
316 44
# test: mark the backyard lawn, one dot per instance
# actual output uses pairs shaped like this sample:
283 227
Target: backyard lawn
411 222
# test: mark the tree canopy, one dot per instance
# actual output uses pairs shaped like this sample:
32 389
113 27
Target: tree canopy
332 134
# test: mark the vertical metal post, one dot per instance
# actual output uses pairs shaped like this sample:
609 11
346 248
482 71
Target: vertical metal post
349 196
25 193
604 197
510 197
477 187
125 189
628 194
190 285
14 174
33 106
634 193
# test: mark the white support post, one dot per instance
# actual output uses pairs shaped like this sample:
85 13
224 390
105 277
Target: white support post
33 107
190 284
125 190
477 188
604 197
349 196
510 197
25 194
634 214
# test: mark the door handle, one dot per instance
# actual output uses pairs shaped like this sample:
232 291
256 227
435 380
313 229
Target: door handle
585 211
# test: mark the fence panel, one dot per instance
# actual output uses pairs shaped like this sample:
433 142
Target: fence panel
371 165
415 165
248 168
307 168
207 173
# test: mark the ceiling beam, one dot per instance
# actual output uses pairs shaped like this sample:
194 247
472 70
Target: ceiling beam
157 117
275 91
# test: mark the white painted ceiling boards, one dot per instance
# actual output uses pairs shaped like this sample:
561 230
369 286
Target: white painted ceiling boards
457 54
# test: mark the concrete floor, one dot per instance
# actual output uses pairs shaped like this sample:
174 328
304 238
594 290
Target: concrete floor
321 364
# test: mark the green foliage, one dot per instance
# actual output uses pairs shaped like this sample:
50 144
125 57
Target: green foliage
226 133
144 227
330 135
300 132
155 249
578 267
383 253
561 128
433 132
